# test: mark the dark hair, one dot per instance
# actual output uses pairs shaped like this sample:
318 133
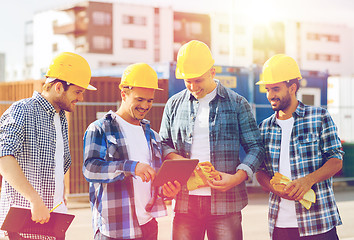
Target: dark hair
293 81
48 85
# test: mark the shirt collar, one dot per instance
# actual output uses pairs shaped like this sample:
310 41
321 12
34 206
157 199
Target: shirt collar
45 104
113 116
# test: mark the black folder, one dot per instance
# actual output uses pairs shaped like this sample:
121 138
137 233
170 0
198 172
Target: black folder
19 220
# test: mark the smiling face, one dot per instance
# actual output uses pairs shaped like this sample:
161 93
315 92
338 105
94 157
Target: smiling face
201 86
63 96
136 103
68 99
279 96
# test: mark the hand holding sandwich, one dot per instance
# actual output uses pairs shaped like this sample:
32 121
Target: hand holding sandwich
292 190
298 188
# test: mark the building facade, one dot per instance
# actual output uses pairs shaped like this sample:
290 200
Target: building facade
106 34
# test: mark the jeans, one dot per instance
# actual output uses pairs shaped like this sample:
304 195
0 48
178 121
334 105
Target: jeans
150 231
198 220
293 234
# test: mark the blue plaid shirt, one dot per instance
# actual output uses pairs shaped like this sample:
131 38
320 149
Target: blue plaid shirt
109 171
314 140
27 132
231 124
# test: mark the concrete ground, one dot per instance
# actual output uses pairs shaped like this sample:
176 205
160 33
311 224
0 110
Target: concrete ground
255 225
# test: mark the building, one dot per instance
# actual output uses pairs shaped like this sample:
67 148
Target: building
231 40
321 47
106 34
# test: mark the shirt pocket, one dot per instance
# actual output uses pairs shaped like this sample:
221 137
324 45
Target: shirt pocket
308 146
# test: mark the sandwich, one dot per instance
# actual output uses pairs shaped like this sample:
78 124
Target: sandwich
279 181
203 173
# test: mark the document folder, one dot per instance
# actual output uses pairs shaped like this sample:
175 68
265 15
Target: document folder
19 220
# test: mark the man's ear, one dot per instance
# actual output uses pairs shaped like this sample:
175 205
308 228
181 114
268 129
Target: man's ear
122 95
293 88
58 87
213 72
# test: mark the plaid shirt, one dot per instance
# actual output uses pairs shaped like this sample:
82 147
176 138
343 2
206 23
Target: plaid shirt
109 171
314 140
27 132
231 123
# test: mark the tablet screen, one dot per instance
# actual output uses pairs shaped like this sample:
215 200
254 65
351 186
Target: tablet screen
177 169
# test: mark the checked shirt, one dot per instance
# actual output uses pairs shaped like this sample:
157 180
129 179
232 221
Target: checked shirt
109 171
314 140
27 132
231 124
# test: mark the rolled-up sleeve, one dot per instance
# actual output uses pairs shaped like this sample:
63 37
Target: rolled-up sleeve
12 130
330 142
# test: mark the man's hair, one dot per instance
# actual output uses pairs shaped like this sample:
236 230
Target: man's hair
48 85
127 90
293 81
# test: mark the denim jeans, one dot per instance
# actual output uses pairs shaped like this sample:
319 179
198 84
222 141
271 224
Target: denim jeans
198 220
150 231
293 234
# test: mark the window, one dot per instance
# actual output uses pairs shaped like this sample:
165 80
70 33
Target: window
136 20
101 42
55 47
223 28
101 18
224 50
140 44
323 37
177 25
333 38
323 57
194 28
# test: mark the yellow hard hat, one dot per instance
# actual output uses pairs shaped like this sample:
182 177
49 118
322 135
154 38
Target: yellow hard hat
193 60
71 68
279 68
139 75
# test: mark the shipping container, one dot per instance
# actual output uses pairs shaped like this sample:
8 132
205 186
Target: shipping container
95 105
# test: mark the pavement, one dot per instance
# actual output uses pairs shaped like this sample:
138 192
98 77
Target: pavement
255 226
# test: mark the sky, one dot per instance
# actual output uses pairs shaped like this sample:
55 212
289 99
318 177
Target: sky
14 14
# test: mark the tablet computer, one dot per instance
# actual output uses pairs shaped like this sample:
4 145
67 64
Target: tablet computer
176 169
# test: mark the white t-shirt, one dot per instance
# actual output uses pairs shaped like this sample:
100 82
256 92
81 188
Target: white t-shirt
287 213
201 144
138 150
59 167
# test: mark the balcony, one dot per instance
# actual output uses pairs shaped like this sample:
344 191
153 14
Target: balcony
78 27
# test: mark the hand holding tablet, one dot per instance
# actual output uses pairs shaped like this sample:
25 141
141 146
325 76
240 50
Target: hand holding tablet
175 170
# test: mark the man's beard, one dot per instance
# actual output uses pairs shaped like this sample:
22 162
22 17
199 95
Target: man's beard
283 103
